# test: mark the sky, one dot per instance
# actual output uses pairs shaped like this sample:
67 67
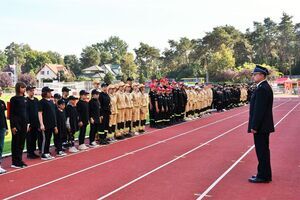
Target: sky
67 26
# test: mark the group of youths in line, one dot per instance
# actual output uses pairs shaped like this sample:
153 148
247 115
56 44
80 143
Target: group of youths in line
114 112
172 102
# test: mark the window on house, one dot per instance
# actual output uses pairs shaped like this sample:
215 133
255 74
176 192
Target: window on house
42 73
47 72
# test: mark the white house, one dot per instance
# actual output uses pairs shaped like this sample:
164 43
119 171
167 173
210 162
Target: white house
50 71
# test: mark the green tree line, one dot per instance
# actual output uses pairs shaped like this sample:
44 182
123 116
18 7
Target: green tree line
225 52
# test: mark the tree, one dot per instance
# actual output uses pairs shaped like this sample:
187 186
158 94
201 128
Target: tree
90 57
112 50
108 78
221 61
55 57
34 60
264 40
15 53
147 58
28 78
3 60
128 66
72 62
5 80
287 43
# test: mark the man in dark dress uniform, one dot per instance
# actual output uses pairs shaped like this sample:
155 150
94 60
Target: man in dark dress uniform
261 124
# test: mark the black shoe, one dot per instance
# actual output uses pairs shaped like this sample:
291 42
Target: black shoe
24 164
32 156
17 165
254 176
258 180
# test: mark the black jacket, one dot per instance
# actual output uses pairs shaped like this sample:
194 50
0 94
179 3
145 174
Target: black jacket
3 122
104 100
32 110
83 111
261 105
72 115
94 110
18 113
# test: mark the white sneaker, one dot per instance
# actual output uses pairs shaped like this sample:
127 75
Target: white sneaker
61 154
47 156
2 171
136 133
82 147
73 150
94 144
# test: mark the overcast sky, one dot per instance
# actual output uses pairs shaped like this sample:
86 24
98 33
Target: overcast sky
67 26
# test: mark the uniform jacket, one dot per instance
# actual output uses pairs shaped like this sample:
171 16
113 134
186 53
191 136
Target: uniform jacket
261 104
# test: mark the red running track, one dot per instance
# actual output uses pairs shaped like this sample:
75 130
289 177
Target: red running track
97 172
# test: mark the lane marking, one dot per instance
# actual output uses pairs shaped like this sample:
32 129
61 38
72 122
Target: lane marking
234 164
175 159
168 163
137 150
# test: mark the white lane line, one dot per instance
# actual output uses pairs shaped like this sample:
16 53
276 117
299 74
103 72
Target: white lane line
121 156
119 141
170 162
234 164
175 159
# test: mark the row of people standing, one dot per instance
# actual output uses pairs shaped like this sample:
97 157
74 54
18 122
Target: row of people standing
115 112
172 102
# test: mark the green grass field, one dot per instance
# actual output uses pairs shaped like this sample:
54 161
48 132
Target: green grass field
7 140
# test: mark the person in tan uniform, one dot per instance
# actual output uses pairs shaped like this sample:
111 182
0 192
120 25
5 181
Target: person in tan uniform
136 102
188 105
143 108
120 95
128 111
194 102
114 110
202 94
209 96
198 101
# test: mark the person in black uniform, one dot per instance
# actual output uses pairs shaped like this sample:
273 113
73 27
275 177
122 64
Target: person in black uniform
178 101
61 127
152 107
94 111
65 94
47 120
83 117
166 116
72 123
184 97
104 113
19 124
3 129
160 106
34 133
170 104
261 124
